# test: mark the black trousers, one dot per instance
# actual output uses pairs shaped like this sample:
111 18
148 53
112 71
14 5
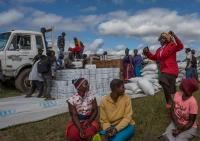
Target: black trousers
168 83
36 85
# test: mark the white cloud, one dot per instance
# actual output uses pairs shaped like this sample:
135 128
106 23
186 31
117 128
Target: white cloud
120 14
95 46
120 47
89 9
44 19
77 24
10 16
150 23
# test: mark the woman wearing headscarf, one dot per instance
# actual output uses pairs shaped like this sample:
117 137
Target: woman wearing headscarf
83 110
166 55
127 65
137 63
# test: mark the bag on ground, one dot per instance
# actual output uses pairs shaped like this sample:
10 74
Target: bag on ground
146 87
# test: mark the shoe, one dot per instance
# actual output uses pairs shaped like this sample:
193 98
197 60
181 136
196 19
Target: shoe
39 96
27 96
168 106
49 98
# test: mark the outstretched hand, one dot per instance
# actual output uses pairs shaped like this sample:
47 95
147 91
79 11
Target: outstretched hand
172 33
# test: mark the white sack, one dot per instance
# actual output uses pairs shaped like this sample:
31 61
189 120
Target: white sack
146 87
131 86
138 91
150 67
135 79
129 92
151 76
149 72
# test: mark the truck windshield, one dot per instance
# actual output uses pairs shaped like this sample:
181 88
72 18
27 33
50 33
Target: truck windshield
3 39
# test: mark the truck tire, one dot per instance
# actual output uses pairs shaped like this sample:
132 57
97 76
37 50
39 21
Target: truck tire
21 82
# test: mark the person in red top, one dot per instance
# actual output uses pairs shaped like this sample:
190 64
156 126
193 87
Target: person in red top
78 49
166 55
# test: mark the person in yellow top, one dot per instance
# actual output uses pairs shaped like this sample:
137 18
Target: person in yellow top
116 114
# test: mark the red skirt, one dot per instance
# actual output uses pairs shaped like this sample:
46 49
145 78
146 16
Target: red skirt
72 133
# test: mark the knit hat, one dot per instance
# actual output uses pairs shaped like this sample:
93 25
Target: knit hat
78 82
166 35
189 86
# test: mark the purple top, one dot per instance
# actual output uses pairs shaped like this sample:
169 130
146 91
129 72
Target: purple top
137 60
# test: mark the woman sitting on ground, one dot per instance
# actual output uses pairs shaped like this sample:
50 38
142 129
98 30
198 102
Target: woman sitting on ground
83 110
116 114
183 113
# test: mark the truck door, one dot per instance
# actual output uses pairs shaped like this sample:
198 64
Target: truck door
19 52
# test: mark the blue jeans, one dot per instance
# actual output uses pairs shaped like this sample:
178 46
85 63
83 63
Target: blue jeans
189 73
123 135
61 49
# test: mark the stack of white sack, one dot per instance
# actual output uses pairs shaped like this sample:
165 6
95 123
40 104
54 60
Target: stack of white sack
148 84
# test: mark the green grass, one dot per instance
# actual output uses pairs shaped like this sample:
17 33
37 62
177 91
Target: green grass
149 114
9 92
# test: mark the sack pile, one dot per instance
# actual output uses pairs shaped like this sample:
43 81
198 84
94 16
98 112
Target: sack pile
147 84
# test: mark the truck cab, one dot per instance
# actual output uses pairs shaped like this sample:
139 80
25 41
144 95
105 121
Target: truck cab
17 50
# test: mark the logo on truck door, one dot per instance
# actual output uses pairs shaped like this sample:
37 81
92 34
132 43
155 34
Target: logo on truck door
15 57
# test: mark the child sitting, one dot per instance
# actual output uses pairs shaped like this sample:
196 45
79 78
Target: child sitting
183 113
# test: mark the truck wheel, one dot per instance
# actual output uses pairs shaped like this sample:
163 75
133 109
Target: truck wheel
22 83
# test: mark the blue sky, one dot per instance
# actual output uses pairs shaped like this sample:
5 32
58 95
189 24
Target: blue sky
110 25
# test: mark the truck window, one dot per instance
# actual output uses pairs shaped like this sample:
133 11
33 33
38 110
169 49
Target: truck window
3 39
25 42
39 42
14 43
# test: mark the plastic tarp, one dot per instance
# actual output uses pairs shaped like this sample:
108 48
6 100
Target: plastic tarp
18 110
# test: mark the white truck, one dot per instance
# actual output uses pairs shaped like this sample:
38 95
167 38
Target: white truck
17 50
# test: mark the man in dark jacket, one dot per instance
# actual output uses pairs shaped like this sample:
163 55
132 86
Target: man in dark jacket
61 43
47 76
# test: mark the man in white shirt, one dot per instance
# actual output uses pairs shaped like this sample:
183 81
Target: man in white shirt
37 81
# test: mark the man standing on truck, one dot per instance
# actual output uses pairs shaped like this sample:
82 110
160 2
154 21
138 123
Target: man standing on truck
78 49
61 43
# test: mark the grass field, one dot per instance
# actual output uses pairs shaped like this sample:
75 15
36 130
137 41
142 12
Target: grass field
149 113
8 92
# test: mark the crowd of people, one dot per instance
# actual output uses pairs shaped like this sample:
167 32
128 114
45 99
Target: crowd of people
44 66
115 122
